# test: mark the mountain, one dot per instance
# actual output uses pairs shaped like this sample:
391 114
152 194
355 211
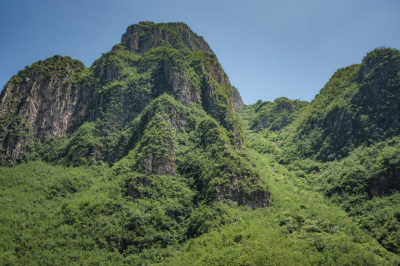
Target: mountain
156 98
358 106
149 156
345 143
151 60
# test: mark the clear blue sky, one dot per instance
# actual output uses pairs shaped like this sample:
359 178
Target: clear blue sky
268 48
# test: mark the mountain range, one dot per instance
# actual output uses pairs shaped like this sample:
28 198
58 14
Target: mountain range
150 156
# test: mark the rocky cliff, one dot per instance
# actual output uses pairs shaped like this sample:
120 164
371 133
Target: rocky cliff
237 99
42 101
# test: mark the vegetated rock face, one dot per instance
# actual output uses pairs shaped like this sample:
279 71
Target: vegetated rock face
137 108
154 59
232 191
379 94
384 184
277 115
41 102
359 105
206 156
140 38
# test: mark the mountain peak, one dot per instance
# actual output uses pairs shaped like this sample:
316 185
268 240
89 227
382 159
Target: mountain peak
382 60
143 36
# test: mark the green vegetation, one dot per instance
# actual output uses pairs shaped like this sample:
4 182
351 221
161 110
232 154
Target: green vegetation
57 215
276 115
15 129
366 184
301 227
56 65
114 91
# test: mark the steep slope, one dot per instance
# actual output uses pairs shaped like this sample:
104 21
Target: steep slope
57 215
169 138
367 185
140 159
154 59
43 100
359 105
141 37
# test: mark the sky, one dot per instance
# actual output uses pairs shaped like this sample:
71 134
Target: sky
268 48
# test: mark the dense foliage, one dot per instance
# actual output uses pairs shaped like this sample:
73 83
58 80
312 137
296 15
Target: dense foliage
57 215
274 116
367 185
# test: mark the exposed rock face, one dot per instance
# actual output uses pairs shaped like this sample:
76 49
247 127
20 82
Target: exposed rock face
181 86
220 103
162 126
234 192
41 102
384 184
237 99
160 58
